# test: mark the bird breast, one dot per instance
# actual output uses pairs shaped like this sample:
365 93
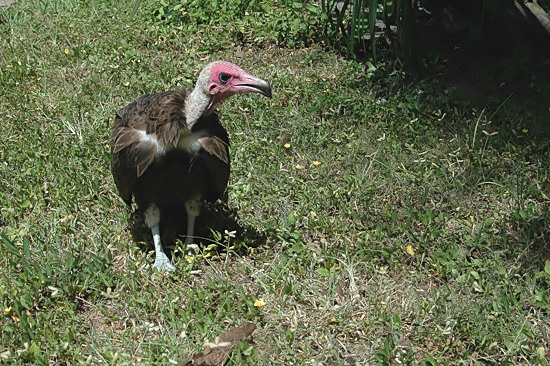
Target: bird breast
191 141
188 142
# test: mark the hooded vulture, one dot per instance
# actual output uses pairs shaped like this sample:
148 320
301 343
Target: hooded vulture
170 152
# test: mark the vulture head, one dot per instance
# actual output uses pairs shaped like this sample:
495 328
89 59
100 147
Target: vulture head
221 79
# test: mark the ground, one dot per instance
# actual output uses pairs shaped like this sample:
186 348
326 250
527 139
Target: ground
378 219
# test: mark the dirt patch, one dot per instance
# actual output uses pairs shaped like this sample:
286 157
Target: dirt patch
6 2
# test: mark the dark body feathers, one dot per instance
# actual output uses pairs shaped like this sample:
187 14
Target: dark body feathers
151 163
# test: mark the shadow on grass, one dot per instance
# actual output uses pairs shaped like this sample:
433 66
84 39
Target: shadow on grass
216 219
533 235
484 57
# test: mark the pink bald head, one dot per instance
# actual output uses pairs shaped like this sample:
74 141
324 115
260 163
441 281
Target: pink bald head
225 79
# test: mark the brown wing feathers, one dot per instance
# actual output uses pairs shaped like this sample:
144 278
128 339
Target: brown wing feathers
158 115
134 149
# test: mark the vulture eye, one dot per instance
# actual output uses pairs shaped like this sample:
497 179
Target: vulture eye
224 78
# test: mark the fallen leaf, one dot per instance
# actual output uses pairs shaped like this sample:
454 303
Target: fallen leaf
217 352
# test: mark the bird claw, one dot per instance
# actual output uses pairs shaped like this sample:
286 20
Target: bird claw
162 263
192 249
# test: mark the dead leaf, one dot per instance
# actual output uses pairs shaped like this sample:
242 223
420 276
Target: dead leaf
217 352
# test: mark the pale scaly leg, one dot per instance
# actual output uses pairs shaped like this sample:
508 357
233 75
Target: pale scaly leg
193 208
152 220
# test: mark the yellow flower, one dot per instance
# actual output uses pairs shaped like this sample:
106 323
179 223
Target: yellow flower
409 249
7 311
525 130
67 51
299 167
316 162
190 258
287 145
259 303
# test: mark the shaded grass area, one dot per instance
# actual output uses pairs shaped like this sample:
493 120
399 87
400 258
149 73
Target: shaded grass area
394 226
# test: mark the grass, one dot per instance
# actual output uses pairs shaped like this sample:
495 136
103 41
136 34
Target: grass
391 225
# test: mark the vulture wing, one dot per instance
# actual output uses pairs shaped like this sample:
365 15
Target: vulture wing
214 158
141 131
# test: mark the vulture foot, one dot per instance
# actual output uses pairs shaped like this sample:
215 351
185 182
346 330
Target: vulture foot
192 249
162 263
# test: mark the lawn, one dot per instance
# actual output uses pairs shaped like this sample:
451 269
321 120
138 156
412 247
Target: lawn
373 218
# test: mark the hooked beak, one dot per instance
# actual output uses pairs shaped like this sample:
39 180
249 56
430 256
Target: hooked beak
252 84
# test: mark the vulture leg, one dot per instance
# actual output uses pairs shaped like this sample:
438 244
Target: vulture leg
193 208
152 219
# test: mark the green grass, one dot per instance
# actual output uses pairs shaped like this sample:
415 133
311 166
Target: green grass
401 167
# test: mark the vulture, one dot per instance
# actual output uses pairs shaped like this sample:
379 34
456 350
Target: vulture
170 153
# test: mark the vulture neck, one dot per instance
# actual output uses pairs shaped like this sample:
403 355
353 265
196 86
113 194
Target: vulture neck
198 103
